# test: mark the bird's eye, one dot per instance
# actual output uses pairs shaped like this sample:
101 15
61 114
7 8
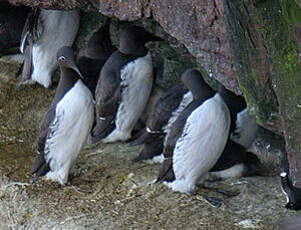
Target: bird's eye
62 58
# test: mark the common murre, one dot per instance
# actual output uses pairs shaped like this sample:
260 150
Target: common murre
44 33
66 124
124 86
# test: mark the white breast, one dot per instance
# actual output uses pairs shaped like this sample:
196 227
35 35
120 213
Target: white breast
201 144
59 29
136 83
284 174
156 159
69 130
235 171
246 128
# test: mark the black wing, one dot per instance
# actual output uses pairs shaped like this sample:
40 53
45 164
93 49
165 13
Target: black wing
166 172
108 94
151 149
40 167
160 115
31 32
164 107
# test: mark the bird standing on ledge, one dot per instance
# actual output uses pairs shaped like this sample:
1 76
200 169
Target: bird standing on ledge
166 110
44 33
124 86
66 124
197 137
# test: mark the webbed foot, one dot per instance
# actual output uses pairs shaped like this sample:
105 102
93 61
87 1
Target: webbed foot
212 201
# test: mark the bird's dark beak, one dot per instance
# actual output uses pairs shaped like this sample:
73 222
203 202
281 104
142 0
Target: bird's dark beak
74 67
154 38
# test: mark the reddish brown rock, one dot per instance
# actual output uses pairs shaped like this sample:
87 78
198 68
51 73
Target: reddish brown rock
198 25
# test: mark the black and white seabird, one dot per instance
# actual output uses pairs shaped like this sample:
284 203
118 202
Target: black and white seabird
292 193
66 124
235 104
164 113
12 20
124 86
98 50
243 126
44 33
244 134
197 138
235 160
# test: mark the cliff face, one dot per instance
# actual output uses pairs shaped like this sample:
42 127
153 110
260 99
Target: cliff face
251 46
265 43
198 25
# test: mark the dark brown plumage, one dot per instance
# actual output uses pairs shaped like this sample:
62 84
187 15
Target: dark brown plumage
109 90
234 102
69 76
233 153
98 50
30 34
201 91
165 105
236 154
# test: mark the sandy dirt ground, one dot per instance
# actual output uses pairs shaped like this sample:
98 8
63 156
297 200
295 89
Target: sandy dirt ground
108 191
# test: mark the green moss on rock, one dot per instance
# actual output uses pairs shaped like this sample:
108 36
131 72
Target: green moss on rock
249 58
291 11
266 56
